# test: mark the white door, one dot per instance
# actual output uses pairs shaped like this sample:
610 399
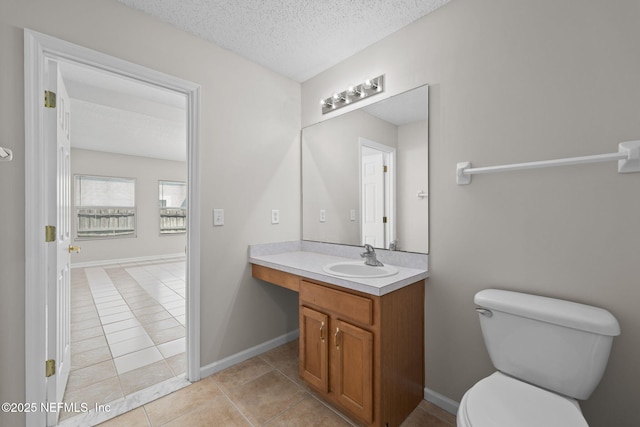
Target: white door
58 173
372 190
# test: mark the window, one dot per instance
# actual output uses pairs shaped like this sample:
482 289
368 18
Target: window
105 206
173 207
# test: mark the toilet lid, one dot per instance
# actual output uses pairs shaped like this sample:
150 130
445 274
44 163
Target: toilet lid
502 401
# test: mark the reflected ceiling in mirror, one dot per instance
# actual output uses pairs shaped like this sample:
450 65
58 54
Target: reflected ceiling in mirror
365 175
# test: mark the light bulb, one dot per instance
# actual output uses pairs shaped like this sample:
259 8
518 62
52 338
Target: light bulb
338 97
370 84
353 91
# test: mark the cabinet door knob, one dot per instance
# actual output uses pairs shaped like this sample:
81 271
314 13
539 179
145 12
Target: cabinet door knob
335 336
322 332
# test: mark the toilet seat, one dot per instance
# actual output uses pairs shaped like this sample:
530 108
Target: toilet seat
503 401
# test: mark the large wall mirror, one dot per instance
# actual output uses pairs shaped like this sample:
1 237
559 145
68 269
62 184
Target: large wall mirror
365 176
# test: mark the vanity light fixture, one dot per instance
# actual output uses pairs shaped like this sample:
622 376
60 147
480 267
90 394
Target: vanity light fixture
353 94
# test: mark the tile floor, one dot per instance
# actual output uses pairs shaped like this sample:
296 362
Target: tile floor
127 329
127 334
262 391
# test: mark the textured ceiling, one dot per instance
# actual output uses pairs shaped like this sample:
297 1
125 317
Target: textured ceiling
296 38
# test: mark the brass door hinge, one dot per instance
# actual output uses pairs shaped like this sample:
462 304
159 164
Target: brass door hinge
50 233
49 99
386 169
50 367
384 219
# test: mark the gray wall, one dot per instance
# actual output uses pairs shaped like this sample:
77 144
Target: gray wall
249 163
147 172
413 176
513 81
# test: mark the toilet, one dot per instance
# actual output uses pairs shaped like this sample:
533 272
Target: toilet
548 353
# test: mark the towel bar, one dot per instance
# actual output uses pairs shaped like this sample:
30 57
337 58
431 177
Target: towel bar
628 157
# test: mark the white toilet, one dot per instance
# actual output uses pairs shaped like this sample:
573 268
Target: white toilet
548 353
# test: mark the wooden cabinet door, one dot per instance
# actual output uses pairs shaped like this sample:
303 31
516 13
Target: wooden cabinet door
352 369
314 356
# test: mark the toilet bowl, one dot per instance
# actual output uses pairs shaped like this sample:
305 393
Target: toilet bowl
548 354
502 401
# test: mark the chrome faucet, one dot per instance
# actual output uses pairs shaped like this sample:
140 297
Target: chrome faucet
369 256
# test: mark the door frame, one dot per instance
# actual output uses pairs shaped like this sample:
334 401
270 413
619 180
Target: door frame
389 186
37 48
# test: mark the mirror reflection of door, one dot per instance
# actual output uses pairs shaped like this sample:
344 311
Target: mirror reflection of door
377 198
332 177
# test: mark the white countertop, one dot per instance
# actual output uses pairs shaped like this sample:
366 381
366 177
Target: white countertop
309 264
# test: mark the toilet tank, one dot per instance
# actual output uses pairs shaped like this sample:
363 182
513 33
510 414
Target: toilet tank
558 345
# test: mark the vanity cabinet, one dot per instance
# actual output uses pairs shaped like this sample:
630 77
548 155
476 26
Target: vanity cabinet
362 353
336 346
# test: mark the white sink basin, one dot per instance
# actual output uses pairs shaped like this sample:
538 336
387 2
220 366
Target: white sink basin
358 269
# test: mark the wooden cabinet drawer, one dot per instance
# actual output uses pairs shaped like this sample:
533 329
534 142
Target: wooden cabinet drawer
277 277
345 305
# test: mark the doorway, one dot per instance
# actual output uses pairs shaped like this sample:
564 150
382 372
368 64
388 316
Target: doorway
377 193
41 169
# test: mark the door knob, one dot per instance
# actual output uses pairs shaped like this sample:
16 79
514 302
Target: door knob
75 249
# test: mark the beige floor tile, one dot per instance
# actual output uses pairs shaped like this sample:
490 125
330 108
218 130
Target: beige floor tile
291 371
81 301
154 317
285 359
241 373
185 400
84 377
267 396
99 393
90 357
309 413
217 412
166 335
148 310
78 326
438 412
83 317
132 293
178 363
137 359
89 344
84 334
161 325
88 308
134 418
171 348
144 377
282 355
116 317
141 301
421 418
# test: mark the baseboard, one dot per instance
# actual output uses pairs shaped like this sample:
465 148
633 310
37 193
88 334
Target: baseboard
126 260
234 359
449 405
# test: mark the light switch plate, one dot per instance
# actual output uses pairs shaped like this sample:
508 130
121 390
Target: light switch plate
218 217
